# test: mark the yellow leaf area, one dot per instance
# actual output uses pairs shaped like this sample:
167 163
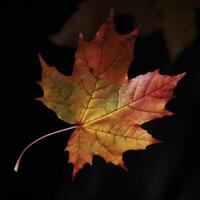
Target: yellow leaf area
107 107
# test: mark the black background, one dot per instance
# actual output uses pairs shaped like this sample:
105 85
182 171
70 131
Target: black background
164 171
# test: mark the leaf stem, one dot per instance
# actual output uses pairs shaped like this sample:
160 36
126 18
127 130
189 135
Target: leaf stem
37 140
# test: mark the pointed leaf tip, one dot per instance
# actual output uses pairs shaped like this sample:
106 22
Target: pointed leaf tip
180 76
111 15
155 141
42 61
40 58
74 173
135 32
123 166
80 36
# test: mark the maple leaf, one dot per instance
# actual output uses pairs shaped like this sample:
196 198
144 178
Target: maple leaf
107 108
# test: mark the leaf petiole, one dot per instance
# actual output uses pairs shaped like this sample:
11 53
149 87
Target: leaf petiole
16 168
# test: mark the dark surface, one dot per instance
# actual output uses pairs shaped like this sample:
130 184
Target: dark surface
165 171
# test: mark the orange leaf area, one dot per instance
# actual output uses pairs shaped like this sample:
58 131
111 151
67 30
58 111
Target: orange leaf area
107 107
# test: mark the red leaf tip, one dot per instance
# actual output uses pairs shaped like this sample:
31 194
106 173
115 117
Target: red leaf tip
111 15
80 35
135 32
155 141
111 12
42 62
180 76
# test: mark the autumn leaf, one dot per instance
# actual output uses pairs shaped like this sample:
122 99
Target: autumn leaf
163 15
107 108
